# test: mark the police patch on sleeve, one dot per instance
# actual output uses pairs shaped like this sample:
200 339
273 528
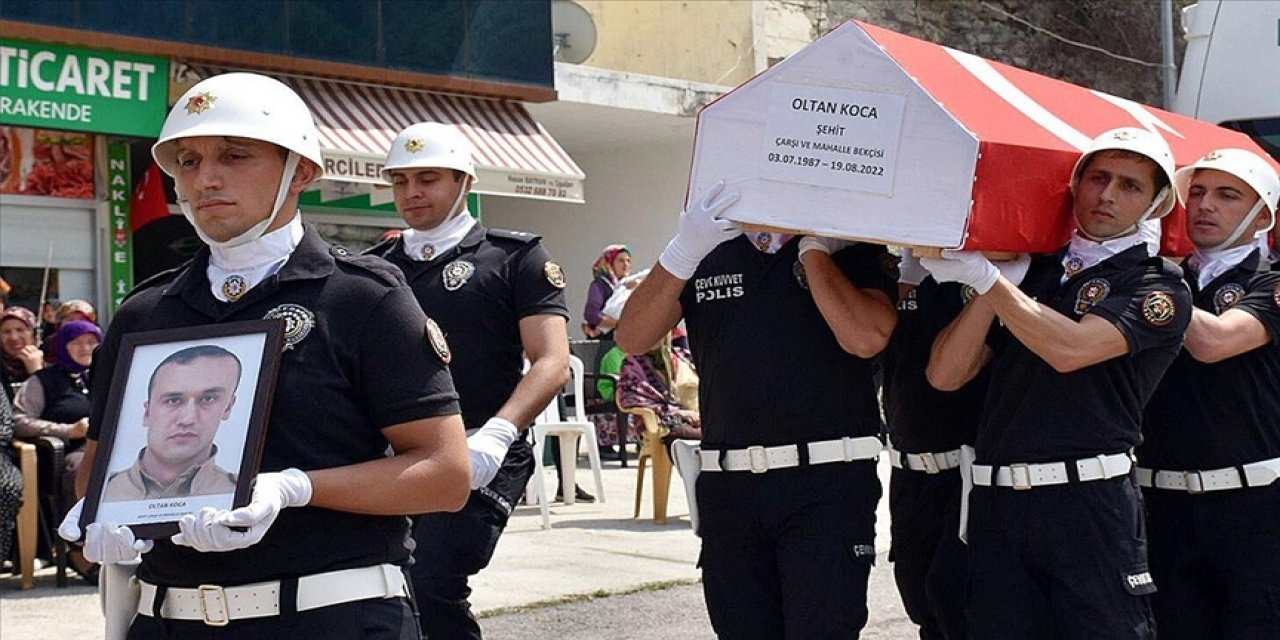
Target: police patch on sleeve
802 279
1226 297
1275 295
555 275
298 322
1158 308
1091 293
438 344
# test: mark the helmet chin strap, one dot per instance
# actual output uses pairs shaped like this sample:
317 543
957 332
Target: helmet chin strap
257 230
1248 220
459 203
1146 215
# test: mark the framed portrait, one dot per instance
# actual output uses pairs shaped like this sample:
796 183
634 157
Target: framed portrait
184 425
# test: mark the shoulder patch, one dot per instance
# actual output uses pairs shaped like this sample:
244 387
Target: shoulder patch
1275 295
1159 309
555 275
435 336
522 237
385 271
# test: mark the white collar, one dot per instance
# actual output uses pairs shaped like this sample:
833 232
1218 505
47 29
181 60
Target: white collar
1208 265
233 271
440 239
1084 253
769 242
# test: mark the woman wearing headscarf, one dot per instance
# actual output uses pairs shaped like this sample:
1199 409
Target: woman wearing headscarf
653 381
19 355
613 265
67 312
55 402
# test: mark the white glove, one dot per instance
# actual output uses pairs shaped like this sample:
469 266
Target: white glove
104 543
488 446
700 231
823 244
210 528
910 271
967 267
1016 269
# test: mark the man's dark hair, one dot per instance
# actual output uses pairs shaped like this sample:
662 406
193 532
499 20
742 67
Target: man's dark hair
185 356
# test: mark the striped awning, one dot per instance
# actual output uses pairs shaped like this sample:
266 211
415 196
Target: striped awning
515 156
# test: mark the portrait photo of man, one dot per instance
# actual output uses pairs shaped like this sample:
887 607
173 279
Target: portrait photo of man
189 395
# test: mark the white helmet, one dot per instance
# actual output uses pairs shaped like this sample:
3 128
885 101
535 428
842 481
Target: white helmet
1141 142
242 105
430 145
1248 167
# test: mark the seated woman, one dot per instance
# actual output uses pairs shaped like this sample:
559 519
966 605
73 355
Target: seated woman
651 381
613 265
55 402
19 355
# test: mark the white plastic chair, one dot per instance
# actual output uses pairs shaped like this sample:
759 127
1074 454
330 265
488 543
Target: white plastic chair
551 423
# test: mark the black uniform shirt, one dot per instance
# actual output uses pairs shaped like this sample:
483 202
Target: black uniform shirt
1035 414
478 292
771 370
921 418
1213 415
364 365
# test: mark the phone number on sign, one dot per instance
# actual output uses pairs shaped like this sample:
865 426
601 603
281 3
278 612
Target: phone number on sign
787 158
854 167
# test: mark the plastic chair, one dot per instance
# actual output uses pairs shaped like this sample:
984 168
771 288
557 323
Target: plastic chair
551 423
653 449
591 352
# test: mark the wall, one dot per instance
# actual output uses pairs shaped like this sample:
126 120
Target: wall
634 196
698 40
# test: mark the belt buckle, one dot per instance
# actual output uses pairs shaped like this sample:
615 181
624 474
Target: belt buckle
1194 481
1025 470
758 458
930 463
203 591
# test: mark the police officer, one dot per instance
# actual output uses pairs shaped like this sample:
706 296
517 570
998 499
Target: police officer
1210 460
319 550
782 331
1056 540
498 296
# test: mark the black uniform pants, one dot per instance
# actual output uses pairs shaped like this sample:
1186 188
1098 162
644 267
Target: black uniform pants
930 563
1059 562
451 547
1216 558
787 553
376 619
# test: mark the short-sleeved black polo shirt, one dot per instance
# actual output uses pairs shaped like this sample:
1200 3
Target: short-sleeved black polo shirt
920 417
363 363
771 370
478 292
1214 415
1035 414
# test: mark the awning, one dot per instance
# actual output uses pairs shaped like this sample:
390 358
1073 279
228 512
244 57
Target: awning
515 156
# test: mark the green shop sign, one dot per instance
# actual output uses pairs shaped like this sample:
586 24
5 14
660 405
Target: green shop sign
55 87
119 240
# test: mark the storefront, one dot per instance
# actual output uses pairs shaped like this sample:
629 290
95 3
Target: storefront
66 117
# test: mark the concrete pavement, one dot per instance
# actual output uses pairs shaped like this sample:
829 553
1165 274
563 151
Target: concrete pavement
591 549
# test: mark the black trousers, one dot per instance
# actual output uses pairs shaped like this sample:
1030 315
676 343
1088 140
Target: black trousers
377 619
787 553
452 547
1216 558
1059 562
930 563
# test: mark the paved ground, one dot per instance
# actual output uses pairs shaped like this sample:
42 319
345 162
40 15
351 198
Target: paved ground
591 550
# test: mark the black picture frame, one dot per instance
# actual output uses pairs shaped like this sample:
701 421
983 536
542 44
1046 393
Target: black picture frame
257 346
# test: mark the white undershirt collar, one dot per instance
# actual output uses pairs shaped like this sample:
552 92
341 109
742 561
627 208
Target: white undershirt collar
1084 253
1208 265
233 271
423 246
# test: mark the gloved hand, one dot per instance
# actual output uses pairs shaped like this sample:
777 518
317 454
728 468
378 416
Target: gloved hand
910 271
967 267
105 543
210 528
823 244
488 446
700 231
1015 270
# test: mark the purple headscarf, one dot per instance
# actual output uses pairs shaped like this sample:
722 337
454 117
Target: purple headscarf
68 332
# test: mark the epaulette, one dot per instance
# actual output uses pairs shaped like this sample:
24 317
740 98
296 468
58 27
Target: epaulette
156 280
385 271
1164 265
523 237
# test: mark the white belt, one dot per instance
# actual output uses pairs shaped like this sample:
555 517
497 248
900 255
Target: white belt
216 605
1256 474
761 459
1025 476
930 463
